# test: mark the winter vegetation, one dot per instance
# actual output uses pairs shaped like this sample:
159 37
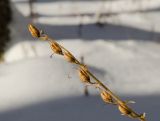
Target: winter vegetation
118 41
84 74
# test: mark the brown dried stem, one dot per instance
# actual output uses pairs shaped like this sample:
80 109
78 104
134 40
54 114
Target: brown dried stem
85 75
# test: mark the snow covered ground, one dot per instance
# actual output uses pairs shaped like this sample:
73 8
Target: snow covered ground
124 54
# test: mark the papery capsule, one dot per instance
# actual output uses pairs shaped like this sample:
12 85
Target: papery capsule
69 57
124 109
83 75
34 31
106 97
56 48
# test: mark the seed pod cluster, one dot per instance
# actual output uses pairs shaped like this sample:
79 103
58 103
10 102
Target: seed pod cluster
56 48
106 97
34 31
83 75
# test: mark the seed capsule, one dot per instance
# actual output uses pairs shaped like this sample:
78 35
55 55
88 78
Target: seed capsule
83 75
106 97
56 48
69 57
124 109
34 31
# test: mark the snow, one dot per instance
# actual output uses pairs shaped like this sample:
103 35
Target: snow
35 90
124 54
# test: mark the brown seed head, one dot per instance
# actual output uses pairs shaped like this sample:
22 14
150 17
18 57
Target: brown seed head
34 31
83 75
124 109
69 57
106 97
56 48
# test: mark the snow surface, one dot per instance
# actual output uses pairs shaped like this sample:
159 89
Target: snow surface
124 54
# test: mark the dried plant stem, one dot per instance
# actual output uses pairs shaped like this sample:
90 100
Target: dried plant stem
118 100
85 75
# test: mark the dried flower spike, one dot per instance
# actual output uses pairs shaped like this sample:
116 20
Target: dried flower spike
106 97
34 31
56 48
83 75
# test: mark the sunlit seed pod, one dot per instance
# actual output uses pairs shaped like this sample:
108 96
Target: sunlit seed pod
69 57
83 75
106 97
124 109
56 48
34 31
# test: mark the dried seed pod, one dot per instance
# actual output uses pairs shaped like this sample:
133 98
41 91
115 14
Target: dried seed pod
83 75
56 48
124 109
69 57
34 31
106 97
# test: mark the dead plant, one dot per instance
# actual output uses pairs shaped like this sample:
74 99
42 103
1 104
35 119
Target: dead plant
85 76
